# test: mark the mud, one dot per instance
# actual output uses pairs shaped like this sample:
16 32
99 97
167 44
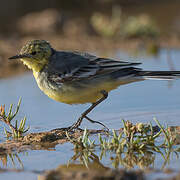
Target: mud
49 139
91 174
42 140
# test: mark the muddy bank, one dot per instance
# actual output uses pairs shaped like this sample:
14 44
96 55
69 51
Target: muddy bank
42 140
49 139
73 172
78 167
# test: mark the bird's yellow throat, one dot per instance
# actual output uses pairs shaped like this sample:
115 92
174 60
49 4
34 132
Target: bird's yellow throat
34 65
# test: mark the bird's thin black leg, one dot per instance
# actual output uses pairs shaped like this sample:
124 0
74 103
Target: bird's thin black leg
84 114
92 121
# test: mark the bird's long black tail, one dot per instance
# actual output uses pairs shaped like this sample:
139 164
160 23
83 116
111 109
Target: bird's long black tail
161 75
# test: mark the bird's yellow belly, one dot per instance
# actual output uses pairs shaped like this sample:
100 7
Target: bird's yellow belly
89 93
71 95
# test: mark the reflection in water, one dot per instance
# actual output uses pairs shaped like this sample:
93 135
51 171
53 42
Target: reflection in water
129 160
141 160
171 66
135 146
86 159
12 158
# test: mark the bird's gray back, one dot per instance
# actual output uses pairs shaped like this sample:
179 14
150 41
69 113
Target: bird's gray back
68 61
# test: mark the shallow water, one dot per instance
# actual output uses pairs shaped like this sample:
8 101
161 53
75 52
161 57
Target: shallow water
137 102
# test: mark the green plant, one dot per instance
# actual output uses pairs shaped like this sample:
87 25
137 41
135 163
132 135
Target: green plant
132 145
11 157
139 26
83 142
168 140
139 137
107 26
7 118
83 148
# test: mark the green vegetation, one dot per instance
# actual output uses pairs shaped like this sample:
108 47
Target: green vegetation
133 145
83 148
140 26
125 27
83 142
16 131
139 137
13 158
107 26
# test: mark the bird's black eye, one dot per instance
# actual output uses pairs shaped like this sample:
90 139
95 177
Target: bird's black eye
33 53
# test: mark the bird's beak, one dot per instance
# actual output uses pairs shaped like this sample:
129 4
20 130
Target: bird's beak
19 56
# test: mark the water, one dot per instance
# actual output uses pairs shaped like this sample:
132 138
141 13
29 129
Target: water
137 102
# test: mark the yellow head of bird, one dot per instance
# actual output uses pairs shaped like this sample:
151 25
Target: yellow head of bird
35 54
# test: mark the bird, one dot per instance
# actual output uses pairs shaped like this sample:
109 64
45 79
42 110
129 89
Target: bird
74 77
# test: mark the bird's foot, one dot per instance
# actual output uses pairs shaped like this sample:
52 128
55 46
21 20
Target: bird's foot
76 124
97 122
70 128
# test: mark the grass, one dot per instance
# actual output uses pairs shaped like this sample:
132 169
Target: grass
8 117
83 142
119 25
133 145
83 148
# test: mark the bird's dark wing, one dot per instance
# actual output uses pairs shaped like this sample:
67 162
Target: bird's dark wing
70 66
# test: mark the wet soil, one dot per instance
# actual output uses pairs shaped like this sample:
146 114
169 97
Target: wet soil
49 139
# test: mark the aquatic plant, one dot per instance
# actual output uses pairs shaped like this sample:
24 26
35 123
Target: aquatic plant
83 148
7 118
14 158
131 138
132 145
83 142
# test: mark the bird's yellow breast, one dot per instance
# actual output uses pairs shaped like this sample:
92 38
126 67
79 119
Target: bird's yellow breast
70 94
